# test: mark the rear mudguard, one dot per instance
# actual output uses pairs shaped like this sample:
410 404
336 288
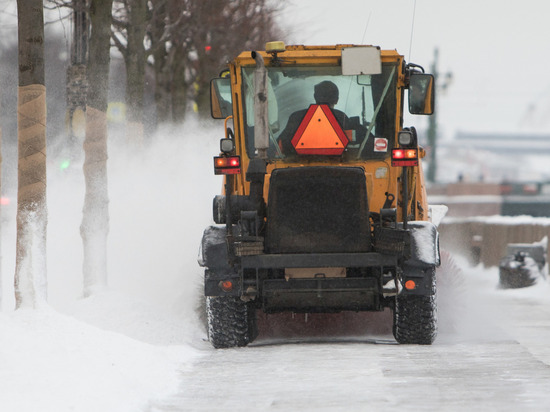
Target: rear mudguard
213 256
424 244
213 251
424 259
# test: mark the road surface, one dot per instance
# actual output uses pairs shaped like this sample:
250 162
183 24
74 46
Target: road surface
492 354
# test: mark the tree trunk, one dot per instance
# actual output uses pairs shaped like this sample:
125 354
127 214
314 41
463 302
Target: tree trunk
77 84
161 66
30 267
135 70
95 218
179 87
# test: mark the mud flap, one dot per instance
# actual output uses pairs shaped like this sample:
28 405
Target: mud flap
213 251
422 276
213 257
424 244
424 258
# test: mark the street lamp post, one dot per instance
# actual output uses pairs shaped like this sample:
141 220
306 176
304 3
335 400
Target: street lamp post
432 122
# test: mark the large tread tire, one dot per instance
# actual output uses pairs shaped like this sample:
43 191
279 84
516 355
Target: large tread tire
415 318
231 322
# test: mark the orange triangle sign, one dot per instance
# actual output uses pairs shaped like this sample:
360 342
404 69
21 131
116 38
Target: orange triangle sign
319 133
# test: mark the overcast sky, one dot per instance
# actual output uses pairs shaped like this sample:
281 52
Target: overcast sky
497 50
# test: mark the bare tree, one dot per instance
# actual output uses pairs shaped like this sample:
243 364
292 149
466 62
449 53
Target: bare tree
157 33
30 270
191 40
77 85
95 219
223 30
130 18
186 43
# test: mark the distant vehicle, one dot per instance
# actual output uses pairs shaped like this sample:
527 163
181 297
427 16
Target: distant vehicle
523 265
324 206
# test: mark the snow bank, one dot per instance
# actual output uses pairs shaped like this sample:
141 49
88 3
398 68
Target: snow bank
52 362
125 347
437 213
503 220
473 306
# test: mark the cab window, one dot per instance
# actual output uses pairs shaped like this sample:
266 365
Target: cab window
366 103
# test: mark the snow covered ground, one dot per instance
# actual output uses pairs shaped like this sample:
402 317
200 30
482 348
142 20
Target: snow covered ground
492 354
125 346
140 345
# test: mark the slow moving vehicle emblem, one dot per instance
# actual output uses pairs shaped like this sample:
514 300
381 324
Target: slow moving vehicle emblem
319 133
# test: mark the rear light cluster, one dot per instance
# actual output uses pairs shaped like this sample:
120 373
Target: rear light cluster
227 165
404 157
226 285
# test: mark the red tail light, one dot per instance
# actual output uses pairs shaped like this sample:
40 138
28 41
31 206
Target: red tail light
227 165
404 157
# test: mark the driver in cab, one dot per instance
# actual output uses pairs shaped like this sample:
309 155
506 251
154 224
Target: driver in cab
327 93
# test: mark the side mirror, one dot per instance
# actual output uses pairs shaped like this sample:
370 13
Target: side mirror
421 94
220 98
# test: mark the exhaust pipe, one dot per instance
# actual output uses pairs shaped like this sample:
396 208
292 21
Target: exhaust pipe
261 131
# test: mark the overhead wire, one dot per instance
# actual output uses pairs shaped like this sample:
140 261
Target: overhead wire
366 27
412 30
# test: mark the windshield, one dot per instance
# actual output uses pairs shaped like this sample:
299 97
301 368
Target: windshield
363 105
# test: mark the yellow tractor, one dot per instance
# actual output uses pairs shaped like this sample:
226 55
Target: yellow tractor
324 206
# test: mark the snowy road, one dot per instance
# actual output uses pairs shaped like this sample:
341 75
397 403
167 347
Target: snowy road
496 356
138 346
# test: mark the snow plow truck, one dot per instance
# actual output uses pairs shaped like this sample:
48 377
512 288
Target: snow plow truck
324 206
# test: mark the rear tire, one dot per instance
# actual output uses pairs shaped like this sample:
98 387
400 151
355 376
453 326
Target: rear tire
415 318
231 322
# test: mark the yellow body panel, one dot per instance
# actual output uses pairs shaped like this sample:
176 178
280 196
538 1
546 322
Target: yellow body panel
381 177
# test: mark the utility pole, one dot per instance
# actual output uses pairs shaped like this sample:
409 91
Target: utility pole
432 121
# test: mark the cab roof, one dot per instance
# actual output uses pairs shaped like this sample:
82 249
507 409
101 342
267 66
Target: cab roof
317 54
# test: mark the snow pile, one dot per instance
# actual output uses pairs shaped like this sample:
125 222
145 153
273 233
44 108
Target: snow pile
437 213
503 220
53 362
472 305
123 348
